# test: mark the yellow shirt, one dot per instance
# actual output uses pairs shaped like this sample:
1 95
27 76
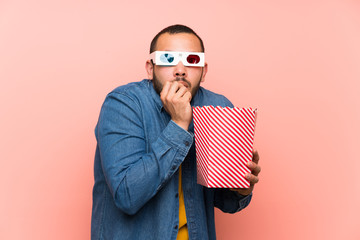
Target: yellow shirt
183 231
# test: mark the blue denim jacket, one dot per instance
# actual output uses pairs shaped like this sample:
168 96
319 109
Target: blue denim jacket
139 150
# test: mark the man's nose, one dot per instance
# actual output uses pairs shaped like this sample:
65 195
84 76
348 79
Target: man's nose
180 70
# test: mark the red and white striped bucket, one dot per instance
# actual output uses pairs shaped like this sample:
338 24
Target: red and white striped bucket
224 141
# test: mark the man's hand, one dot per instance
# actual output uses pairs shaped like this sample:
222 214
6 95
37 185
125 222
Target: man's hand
176 100
253 177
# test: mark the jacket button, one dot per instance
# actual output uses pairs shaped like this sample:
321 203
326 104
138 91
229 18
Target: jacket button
177 195
187 143
176 226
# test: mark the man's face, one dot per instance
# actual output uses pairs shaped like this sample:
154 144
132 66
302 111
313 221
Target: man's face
190 77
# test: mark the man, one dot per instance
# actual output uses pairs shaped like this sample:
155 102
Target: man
145 165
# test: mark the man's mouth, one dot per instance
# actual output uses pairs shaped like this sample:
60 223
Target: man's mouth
183 81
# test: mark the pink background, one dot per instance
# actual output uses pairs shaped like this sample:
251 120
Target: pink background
297 61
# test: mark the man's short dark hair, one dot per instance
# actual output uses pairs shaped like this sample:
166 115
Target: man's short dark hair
173 29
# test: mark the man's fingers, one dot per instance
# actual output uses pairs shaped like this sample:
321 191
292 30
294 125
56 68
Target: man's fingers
188 95
252 178
165 90
174 87
173 90
255 157
255 168
180 92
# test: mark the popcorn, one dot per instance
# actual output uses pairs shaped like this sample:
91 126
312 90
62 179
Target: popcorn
224 141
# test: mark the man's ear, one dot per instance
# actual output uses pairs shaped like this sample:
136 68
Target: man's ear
204 72
149 66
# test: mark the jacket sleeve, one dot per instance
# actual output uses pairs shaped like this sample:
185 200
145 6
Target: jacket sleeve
134 173
229 201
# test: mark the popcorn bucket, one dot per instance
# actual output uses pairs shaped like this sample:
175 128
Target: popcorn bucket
224 141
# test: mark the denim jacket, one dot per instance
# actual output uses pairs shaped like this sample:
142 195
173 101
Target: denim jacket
138 153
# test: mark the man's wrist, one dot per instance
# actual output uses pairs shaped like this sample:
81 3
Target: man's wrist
182 124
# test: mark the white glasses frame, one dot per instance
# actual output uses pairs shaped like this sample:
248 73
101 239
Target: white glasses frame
178 56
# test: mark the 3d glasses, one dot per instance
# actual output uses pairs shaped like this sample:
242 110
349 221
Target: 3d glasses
169 58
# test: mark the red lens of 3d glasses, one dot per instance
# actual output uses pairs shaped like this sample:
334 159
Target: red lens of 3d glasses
193 59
